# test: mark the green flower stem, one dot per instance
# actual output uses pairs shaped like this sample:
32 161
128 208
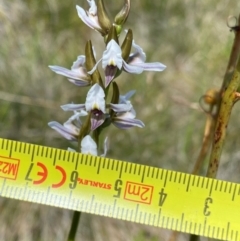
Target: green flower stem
228 90
194 237
76 215
229 80
229 84
228 100
74 226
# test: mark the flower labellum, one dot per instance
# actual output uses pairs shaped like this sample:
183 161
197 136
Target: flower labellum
95 102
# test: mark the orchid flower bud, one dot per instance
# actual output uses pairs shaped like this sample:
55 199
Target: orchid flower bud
90 17
122 16
88 146
112 35
103 18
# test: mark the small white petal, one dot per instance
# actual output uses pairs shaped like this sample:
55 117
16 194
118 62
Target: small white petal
154 66
137 59
71 128
73 74
73 107
88 146
93 7
128 115
81 83
79 62
121 107
132 69
138 55
126 123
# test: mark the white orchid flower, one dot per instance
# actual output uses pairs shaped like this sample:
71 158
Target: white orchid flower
95 104
125 118
112 61
138 59
77 75
71 128
90 17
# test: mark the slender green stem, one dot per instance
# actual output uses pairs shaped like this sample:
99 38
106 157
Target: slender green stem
76 215
228 100
194 237
227 91
74 226
225 104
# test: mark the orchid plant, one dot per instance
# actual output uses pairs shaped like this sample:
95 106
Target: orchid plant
99 114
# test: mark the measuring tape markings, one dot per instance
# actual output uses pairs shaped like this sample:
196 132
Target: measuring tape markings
119 189
125 170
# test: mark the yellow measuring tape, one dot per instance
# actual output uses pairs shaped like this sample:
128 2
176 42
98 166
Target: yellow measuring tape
117 189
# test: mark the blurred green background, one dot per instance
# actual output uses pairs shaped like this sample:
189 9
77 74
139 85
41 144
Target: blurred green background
190 37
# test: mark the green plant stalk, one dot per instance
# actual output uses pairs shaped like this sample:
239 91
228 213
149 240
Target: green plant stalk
76 215
235 52
228 100
74 226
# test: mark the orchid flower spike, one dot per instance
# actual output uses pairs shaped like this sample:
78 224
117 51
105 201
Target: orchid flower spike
77 75
112 61
95 104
